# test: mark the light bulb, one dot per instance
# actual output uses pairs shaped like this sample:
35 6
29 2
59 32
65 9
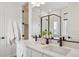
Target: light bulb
37 3
42 2
33 2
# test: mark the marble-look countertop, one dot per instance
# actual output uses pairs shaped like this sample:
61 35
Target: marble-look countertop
39 47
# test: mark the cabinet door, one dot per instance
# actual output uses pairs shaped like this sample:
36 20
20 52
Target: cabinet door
28 52
24 52
6 15
19 50
36 53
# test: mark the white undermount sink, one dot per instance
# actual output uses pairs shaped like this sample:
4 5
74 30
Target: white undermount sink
57 49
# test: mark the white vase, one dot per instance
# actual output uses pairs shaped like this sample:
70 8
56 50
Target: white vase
43 41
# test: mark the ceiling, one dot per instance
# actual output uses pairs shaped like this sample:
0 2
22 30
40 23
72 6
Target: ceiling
50 6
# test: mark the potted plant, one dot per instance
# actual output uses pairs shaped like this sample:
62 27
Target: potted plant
44 35
49 34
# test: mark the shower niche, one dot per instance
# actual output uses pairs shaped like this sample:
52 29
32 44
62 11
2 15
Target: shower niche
25 22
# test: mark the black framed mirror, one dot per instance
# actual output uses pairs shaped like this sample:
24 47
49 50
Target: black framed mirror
51 23
44 24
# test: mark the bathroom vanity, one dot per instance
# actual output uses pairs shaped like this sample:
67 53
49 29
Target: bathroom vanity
27 48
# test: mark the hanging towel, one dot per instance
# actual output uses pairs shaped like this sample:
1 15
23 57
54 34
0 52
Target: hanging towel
16 31
10 33
13 34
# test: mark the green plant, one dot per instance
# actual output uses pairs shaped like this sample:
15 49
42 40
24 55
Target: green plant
49 33
44 33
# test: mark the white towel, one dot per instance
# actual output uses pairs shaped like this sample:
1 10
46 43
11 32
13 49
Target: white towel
16 31
13 32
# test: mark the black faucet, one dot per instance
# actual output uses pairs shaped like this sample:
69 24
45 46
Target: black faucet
61 41
35 37
47 40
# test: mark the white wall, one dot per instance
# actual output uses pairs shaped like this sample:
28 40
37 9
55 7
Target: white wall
72 25
35 23
36 20
30 21
73 20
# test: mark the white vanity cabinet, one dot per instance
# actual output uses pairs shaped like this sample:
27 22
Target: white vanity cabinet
32 53
29 52
36 53
25 49
25 52
21 50
44 55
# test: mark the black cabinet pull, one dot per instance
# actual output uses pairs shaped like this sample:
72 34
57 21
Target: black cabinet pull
2 37
22 35
23 11
23 23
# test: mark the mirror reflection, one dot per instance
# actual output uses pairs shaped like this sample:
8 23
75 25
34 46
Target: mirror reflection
51 23
54 22
66 25
45 23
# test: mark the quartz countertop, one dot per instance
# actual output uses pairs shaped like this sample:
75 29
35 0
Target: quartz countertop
39 47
